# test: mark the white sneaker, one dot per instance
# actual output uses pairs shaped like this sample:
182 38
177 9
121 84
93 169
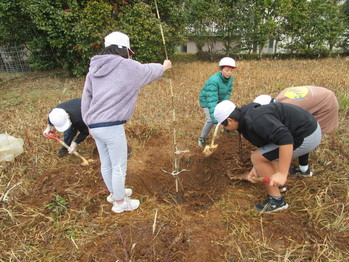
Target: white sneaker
127 205
111 199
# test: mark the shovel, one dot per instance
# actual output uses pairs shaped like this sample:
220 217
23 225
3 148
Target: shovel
255 179
55 137
209 149
261 179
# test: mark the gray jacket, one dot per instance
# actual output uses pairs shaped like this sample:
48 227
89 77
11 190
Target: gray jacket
111 88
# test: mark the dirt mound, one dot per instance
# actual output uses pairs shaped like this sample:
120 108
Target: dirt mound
203 178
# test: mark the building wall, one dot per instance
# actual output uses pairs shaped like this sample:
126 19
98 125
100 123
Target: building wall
190 47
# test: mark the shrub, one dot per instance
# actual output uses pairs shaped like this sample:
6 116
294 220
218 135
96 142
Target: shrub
140 22
67 33
70 34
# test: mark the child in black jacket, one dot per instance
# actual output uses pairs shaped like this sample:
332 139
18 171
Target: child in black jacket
281 132
66 117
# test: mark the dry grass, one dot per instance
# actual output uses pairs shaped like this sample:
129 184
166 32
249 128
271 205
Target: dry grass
58 230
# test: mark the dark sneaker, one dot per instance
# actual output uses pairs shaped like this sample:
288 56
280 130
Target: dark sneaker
62 152
271 205
201 142
296 172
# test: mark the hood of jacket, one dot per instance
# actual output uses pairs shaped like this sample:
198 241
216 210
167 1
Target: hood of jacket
243 111
102 65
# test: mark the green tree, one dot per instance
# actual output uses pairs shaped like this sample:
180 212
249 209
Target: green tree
344 43
231 25
333 23
15 25
313 27
295 21
267 18
240 25
201 22
141 23
70 32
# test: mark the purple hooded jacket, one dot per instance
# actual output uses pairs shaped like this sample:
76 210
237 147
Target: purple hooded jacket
111 87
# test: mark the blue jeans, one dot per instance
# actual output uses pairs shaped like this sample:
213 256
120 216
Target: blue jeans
112 148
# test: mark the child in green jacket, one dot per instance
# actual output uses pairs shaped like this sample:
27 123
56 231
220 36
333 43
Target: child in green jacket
216 89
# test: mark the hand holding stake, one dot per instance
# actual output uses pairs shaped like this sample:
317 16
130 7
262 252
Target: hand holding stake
55 137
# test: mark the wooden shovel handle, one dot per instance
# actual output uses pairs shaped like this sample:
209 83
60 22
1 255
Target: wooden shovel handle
214 135
85 162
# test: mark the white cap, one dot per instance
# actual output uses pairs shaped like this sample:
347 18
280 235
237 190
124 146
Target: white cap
60 119
223 110
227 61
263 99
119 39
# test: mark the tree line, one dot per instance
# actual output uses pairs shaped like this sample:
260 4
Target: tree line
67 33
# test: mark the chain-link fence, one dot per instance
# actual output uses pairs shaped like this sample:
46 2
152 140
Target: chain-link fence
14 59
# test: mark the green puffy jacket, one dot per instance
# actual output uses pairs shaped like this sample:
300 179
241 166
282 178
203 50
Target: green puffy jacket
216 89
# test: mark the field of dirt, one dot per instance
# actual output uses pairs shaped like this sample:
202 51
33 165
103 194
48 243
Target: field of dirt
58 210
189 226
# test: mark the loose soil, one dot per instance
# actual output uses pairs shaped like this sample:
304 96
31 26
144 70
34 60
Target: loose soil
190 225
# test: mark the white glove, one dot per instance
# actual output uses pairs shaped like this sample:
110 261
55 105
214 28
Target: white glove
72 147
47 130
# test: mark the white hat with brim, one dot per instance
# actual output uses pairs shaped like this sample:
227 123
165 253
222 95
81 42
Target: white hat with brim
60 119
223 110
119 39
228 62
263 99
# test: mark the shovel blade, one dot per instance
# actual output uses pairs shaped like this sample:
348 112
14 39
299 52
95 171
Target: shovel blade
85 163
208 150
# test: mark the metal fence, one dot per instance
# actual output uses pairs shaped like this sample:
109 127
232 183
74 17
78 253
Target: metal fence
14 59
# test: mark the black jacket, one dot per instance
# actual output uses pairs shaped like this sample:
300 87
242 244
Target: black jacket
73 108
277 123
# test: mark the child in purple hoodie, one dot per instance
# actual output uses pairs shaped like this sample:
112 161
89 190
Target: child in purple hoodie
108 100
